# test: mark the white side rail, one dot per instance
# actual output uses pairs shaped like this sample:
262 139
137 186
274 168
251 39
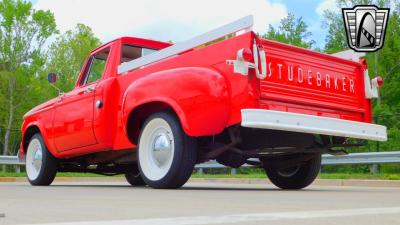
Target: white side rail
241 24
287 121
350 55
350 159
10 160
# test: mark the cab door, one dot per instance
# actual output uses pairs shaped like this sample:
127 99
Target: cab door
74 111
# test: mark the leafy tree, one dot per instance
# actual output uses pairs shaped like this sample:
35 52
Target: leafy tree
336 39
68 53
383 62
291 31
23 32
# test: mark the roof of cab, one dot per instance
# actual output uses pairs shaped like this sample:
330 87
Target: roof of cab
139 42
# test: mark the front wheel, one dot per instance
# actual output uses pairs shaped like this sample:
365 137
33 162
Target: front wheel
297 176
166 154
41 165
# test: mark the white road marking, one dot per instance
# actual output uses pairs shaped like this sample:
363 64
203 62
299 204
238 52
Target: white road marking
242 218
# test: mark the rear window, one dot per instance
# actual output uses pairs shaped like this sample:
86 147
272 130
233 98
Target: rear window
131 52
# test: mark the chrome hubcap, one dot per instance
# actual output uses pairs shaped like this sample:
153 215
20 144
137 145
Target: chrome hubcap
34 159
37 160
162 150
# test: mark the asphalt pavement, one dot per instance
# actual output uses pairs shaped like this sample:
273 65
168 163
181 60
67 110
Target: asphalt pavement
114 202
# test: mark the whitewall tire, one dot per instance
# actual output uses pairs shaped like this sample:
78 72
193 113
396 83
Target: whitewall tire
166 155
134 178
41 166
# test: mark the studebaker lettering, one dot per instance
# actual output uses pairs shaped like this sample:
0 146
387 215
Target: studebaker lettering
296 74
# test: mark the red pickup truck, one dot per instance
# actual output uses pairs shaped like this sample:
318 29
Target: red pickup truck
152 110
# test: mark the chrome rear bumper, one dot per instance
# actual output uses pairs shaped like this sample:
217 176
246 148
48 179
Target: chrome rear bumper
276 120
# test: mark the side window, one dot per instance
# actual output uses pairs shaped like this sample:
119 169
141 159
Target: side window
95 67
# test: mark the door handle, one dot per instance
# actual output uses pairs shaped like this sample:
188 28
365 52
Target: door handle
99 104
89 90
60 99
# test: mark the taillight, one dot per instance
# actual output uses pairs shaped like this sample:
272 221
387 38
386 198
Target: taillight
245 54
377 82
379 79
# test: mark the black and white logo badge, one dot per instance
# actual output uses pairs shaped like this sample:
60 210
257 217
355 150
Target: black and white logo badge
365 27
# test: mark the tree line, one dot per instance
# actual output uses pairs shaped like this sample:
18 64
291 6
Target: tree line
31 46
385 62
26 56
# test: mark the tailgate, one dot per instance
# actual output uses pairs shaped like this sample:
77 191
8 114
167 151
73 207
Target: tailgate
303 81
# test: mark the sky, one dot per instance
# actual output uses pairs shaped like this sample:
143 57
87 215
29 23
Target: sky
178 20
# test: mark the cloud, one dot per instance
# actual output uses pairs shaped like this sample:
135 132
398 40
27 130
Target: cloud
164 20
326 5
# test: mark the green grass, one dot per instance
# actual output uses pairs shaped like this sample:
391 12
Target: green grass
250 175
382 176
321 176
8 174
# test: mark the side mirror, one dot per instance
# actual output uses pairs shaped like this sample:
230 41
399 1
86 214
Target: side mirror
52 78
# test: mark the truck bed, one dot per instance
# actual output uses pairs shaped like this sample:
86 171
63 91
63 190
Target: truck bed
308 82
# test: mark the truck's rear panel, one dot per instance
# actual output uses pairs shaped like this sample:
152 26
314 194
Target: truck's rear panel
307 82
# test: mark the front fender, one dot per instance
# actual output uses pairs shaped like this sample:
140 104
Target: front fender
27 125
199 96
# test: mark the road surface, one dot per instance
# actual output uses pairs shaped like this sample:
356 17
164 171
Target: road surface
196 203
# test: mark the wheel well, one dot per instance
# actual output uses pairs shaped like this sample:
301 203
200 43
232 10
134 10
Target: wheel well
30 131
139 115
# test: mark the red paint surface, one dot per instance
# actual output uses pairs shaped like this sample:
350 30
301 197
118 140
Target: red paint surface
202 90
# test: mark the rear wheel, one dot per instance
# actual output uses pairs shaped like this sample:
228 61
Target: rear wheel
166 154
297 176
41 165
133 177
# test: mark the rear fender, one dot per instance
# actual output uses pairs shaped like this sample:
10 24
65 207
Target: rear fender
198 96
